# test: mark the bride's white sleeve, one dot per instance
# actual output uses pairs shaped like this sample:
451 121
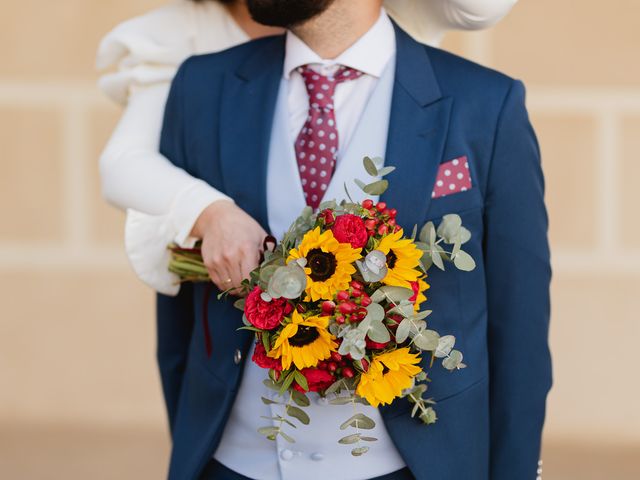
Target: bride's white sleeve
162 201
428 20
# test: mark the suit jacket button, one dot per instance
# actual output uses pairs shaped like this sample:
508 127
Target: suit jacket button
317 456
237 357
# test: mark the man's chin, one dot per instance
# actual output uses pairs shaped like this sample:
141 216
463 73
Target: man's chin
286 13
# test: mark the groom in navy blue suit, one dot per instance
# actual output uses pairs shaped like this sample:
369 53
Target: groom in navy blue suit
218 127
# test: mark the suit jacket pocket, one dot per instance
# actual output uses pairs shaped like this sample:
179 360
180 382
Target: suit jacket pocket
455 203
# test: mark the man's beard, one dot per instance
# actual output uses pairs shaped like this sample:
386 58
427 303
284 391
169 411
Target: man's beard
286 13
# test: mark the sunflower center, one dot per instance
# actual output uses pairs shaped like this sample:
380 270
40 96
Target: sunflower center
304 336
392 258
322 264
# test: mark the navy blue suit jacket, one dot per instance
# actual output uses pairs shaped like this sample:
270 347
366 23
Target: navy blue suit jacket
217 127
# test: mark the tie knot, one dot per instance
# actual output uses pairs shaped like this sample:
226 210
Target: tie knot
321 88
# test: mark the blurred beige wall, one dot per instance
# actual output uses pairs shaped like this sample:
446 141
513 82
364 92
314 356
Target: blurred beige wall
77 329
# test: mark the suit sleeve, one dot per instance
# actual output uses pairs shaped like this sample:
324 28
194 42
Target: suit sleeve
518 274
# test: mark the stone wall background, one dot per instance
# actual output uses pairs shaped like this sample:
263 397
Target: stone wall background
77 328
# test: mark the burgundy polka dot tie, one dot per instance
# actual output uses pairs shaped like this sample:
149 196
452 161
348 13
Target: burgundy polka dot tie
317 143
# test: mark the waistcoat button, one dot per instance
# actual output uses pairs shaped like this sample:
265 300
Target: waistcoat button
237 357
286 455
317 456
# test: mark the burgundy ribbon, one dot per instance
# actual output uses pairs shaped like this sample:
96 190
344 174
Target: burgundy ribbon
269 240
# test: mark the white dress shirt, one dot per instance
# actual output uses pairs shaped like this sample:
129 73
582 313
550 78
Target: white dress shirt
146 52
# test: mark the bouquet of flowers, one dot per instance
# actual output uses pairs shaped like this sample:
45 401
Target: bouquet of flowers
336 308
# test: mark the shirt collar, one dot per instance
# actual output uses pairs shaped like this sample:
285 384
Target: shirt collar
370 54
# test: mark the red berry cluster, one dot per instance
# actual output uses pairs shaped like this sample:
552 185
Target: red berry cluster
338 365
351 304
380 220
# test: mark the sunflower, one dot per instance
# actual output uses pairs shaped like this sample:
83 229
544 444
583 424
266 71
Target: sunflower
304 342
403 259
329 264
388 375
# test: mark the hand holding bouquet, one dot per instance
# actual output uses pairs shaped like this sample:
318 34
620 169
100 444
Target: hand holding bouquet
336 308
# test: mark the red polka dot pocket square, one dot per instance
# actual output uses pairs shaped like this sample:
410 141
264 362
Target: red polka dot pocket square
453 177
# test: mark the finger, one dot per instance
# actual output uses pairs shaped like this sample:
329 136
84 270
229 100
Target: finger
217 271
249 262
233 267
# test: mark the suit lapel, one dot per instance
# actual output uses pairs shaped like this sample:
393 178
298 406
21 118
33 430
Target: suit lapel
418 126
246 117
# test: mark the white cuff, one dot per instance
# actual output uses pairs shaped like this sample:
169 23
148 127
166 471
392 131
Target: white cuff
146 241
188 206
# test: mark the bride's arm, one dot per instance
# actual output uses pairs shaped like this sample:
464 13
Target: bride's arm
428 20
136 176
473 14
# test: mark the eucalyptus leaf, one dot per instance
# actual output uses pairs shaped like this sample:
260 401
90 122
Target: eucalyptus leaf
341 401
426 261
426 340
369 439
268 431
287 437
350 439
239 304
385 171
453 361
270 384
376 188
298 414
301 380
404 308
445 345
300 399
359 420
370 167
392 293
414 232
356 452
422 315
402 333
465 235
268 401
449 228
436 258
426 233
375 312
360 184
464 261
288 380
278 418
379 333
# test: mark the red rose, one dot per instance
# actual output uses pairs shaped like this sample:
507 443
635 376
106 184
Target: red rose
350 228
317 380
265 315
261 359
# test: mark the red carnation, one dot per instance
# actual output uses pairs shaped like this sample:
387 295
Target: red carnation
261 359
265 315
317 380
350 228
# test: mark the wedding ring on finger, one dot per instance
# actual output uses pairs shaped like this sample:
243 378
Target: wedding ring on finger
228 280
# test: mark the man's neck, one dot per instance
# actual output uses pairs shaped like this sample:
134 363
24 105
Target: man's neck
339 27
